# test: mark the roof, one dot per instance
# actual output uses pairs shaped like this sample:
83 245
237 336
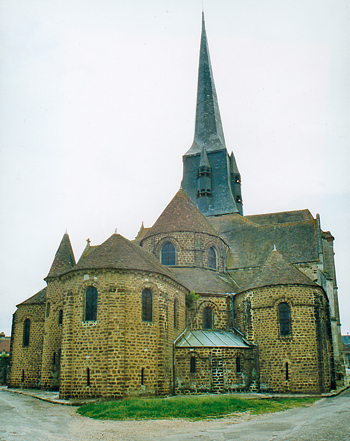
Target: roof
141 234
281 217
251 243
87 250
181 214
38 298
277 271
346 339
5 344
117 252
204 281
208 128
64 258
198 339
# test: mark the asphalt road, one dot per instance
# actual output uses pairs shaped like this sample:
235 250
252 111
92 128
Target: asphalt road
26 418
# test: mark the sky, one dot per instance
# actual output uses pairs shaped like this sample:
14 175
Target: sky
97 107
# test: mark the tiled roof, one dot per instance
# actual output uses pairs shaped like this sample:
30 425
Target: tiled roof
251 243
203 281
277 271
117 252
39 297
199 339
87 250
141 234
5 345
181 214
64 259
281 217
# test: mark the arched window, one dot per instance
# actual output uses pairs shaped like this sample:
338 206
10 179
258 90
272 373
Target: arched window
48 309
193 365
146 305
212 261
91 304
168 254
284 318
26 332
175 313
207 318
60 316
238 364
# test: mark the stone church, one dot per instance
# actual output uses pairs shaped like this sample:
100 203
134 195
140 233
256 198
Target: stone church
205 300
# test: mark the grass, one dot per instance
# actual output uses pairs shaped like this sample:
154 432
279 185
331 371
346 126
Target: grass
189 407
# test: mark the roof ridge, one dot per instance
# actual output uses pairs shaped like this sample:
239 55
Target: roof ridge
181 214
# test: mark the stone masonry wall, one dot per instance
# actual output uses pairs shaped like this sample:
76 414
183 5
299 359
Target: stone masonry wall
222 312
119 351
50 375
191 248
25 362
308 348
216 370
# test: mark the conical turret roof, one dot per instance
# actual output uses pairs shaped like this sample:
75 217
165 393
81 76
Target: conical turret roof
208 129
64 258
278 271
181 214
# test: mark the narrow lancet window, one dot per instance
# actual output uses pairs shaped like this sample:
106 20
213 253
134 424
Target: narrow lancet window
207 318
147 305
212 261
168 254
193 365
91 304
284 319
60 316
26 332
48 309
88 377
238 364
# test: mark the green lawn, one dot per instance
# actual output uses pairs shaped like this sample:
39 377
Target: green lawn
189 407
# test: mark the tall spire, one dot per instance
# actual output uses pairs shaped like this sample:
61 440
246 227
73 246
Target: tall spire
208 130
210 177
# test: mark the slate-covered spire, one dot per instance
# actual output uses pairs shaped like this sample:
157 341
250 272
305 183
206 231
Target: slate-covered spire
213 194
236 184
208 128
64 258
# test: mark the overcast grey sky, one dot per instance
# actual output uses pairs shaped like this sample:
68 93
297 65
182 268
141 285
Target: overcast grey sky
97 106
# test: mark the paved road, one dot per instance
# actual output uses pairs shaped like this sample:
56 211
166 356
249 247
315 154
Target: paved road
26 418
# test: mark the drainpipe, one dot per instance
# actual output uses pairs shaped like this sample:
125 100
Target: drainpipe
233 313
